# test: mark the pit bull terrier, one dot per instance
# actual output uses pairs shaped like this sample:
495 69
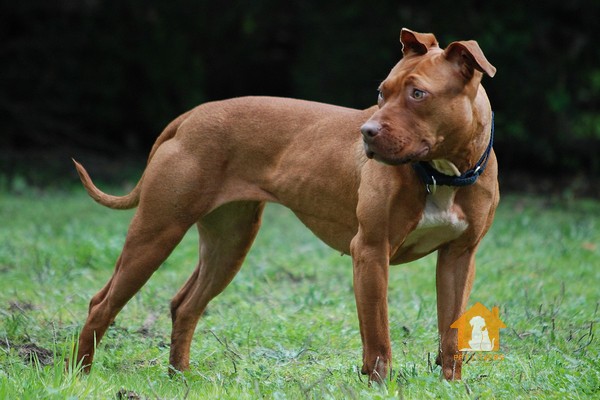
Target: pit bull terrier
390 184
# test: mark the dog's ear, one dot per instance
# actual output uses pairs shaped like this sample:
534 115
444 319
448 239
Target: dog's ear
416 43
468 57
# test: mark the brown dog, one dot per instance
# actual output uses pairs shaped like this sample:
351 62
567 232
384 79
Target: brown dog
378 197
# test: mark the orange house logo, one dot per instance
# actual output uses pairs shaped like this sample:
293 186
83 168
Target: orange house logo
479 329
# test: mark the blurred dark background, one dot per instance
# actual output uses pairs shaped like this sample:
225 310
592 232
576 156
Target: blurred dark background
99 79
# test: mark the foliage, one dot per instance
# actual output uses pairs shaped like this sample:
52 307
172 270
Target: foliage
286 327
102 75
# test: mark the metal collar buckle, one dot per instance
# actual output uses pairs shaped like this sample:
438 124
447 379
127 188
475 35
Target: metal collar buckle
431 188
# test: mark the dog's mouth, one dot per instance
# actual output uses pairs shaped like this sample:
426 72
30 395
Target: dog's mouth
370 153
395 160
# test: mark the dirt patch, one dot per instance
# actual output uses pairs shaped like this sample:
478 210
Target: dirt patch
19 306
125 394
29 352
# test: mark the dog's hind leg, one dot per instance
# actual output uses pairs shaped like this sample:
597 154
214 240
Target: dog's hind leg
170 203
226 235
146 247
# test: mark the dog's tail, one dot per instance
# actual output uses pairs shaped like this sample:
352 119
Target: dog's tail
115 202
131 199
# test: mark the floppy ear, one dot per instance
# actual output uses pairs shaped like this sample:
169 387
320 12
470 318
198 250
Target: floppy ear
468 57
416 43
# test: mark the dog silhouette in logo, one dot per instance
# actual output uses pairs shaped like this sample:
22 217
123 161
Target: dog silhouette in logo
480 338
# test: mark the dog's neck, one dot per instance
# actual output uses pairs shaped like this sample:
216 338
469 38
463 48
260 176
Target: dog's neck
445 172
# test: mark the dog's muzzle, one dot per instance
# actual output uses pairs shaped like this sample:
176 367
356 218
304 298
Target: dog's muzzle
370 130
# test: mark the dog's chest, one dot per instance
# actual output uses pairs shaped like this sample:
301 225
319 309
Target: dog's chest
441 222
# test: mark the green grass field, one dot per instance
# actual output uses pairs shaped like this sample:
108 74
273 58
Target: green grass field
286 328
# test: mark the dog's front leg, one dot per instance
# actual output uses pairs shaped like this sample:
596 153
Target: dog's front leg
371 264
454 279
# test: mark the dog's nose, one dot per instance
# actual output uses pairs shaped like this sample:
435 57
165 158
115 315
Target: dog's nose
370 129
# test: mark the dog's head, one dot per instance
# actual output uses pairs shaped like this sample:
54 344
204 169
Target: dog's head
429 102
477 322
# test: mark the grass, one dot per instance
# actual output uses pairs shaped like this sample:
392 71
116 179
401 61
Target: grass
286 328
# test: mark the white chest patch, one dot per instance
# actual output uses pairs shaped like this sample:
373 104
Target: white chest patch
439 224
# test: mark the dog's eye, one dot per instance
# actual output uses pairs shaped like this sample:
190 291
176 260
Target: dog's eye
418 94
380 97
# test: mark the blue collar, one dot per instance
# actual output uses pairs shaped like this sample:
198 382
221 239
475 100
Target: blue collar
432 177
